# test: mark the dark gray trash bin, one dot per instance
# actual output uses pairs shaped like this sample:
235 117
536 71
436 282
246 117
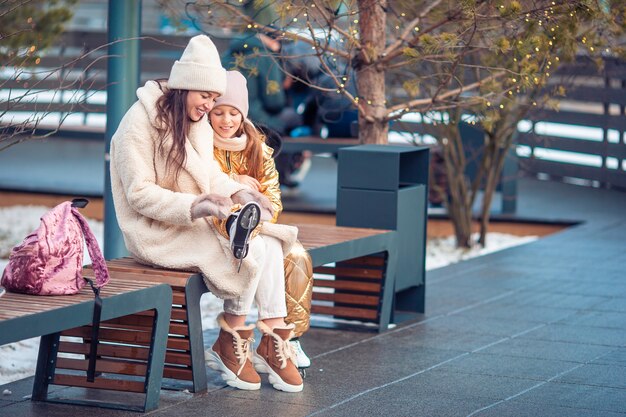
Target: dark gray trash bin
386 187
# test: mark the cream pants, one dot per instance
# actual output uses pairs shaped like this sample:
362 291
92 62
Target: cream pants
269 293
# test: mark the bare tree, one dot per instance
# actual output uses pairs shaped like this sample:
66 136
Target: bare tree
27 29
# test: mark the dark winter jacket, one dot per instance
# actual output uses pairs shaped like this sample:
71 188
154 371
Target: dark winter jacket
265 80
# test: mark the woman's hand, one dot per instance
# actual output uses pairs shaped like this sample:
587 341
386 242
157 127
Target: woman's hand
245 195
211 205
249 181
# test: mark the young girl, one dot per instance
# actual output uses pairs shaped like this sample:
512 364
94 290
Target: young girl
163 194
241 152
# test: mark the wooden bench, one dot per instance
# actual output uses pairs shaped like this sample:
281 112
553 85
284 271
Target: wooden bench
133 366
356 281
316 144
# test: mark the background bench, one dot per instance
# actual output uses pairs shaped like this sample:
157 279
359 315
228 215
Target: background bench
133 366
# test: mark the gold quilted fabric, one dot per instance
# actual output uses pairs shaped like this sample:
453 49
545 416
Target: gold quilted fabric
298 288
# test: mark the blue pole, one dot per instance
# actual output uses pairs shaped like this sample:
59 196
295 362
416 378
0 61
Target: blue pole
123 72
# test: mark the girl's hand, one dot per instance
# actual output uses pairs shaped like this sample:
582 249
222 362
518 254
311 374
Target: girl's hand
249 181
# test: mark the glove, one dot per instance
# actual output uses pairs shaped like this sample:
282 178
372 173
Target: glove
211 205
247 194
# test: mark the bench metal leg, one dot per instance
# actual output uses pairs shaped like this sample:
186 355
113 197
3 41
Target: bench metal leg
193 291
46 365
411 299
388 289
156 359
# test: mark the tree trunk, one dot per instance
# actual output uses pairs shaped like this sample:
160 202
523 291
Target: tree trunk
370 75
458 202
503 136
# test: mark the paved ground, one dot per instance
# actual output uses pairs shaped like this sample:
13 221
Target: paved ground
537 330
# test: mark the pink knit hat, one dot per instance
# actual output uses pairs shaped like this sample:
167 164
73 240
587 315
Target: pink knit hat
236 94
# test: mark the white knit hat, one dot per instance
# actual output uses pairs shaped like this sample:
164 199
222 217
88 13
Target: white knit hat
236 94
199 69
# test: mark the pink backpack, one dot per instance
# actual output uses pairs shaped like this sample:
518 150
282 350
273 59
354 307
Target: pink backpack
50 260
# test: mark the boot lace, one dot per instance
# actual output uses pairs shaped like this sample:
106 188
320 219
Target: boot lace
243 350
284 351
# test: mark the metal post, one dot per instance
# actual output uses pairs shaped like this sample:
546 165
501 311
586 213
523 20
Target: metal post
123 71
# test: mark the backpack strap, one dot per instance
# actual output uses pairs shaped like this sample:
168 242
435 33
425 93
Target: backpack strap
102 277
98 263
95 329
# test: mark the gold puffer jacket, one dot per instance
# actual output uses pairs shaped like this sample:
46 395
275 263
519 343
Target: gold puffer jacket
298 263
233 162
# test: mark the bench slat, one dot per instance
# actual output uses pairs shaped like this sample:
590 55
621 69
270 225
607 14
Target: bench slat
370 274
108 366
366 261
180 329
357 299
186 374
100 383
179 298
106 334
129 264
119 351
347 285
314 235
126 273
104 349
348 312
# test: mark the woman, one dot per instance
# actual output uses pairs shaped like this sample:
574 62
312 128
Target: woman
164 195
241 152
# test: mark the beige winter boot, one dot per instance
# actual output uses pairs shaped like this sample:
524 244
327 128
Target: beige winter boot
231 355
276 357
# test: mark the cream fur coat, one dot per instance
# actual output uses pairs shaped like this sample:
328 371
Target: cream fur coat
153 210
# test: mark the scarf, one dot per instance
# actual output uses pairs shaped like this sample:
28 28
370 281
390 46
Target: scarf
237 143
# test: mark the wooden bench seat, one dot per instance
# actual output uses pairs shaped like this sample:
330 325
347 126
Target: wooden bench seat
316 144
356 270
132 311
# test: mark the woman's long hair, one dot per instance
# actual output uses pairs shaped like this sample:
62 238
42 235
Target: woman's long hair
253 152
172 120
